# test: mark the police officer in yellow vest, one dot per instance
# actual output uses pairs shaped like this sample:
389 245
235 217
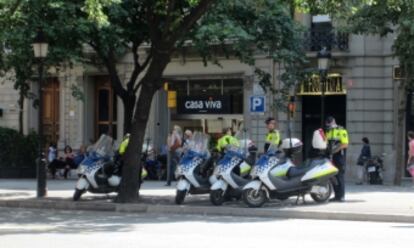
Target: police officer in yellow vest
226 139
338 143
273 135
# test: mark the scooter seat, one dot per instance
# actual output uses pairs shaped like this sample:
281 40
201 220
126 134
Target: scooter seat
297 171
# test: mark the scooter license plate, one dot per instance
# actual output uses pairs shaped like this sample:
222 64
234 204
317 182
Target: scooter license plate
371 169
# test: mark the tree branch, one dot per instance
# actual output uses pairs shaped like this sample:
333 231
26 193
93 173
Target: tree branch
136 88
189 20
15 7
170 11
137 67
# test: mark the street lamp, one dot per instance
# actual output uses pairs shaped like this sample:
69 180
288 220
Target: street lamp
40 49
323 65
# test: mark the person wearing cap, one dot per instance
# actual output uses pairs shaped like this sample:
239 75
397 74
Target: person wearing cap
338 142
226 139
273 135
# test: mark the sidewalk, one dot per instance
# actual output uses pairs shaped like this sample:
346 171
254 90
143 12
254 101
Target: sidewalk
363 203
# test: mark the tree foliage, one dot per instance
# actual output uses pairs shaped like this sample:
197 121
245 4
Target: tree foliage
19 23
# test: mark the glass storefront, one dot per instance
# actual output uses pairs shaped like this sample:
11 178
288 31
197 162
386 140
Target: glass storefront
208 105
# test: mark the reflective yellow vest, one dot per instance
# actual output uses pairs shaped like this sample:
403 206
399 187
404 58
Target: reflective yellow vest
338 134
273 137
226 140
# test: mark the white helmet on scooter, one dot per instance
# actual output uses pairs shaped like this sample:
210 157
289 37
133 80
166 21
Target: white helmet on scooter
292 145
114 181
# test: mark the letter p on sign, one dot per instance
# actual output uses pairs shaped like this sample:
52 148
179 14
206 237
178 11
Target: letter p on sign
257 104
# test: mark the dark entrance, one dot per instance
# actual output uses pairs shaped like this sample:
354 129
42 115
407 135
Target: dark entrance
335 105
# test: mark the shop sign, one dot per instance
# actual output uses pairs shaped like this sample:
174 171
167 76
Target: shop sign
203 105
257 104
313 86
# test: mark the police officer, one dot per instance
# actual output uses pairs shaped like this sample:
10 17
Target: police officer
226 139
273 135
338 143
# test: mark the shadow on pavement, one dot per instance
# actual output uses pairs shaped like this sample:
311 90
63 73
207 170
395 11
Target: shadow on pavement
24 221
404 227
356 189
14 194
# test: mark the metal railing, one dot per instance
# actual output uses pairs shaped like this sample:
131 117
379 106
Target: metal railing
316 39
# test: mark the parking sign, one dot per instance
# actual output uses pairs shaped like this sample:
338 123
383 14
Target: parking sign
257 104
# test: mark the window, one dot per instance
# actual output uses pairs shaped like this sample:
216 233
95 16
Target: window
205 87
106 109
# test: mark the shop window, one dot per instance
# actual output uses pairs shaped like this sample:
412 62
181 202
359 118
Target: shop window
205 88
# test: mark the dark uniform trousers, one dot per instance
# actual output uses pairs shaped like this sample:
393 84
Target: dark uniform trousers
339 162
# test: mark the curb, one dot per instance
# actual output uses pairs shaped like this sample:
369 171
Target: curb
205 210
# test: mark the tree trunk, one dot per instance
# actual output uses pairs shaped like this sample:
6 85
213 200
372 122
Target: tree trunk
129 103
131 179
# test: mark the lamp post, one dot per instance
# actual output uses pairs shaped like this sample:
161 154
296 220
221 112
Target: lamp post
323 65
40 49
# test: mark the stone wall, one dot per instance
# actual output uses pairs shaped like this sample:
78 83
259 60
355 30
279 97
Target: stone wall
370 101
8 103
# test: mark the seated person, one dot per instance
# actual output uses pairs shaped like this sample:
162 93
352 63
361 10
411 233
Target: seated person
66 162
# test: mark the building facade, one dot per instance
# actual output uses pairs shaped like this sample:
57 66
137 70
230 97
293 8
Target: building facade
361 94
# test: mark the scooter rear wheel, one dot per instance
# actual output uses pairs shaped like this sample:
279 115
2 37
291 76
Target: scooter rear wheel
180 196
217 197
323 197
254 198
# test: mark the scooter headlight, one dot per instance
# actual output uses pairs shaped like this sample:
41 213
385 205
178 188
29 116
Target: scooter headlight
81 169
254 172
216 171
179 171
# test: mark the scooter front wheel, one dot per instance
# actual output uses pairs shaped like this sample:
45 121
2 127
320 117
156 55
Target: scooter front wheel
254 198
217 197
180 196
77 195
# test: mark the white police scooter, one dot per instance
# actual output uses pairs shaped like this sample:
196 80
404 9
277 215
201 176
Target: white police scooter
232 172
194 171
98 172
92 175
275 176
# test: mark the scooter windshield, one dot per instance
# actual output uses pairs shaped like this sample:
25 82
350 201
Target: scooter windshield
273 149
103 147
199 143
243 144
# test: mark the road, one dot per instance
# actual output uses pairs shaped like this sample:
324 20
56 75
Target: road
45 228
